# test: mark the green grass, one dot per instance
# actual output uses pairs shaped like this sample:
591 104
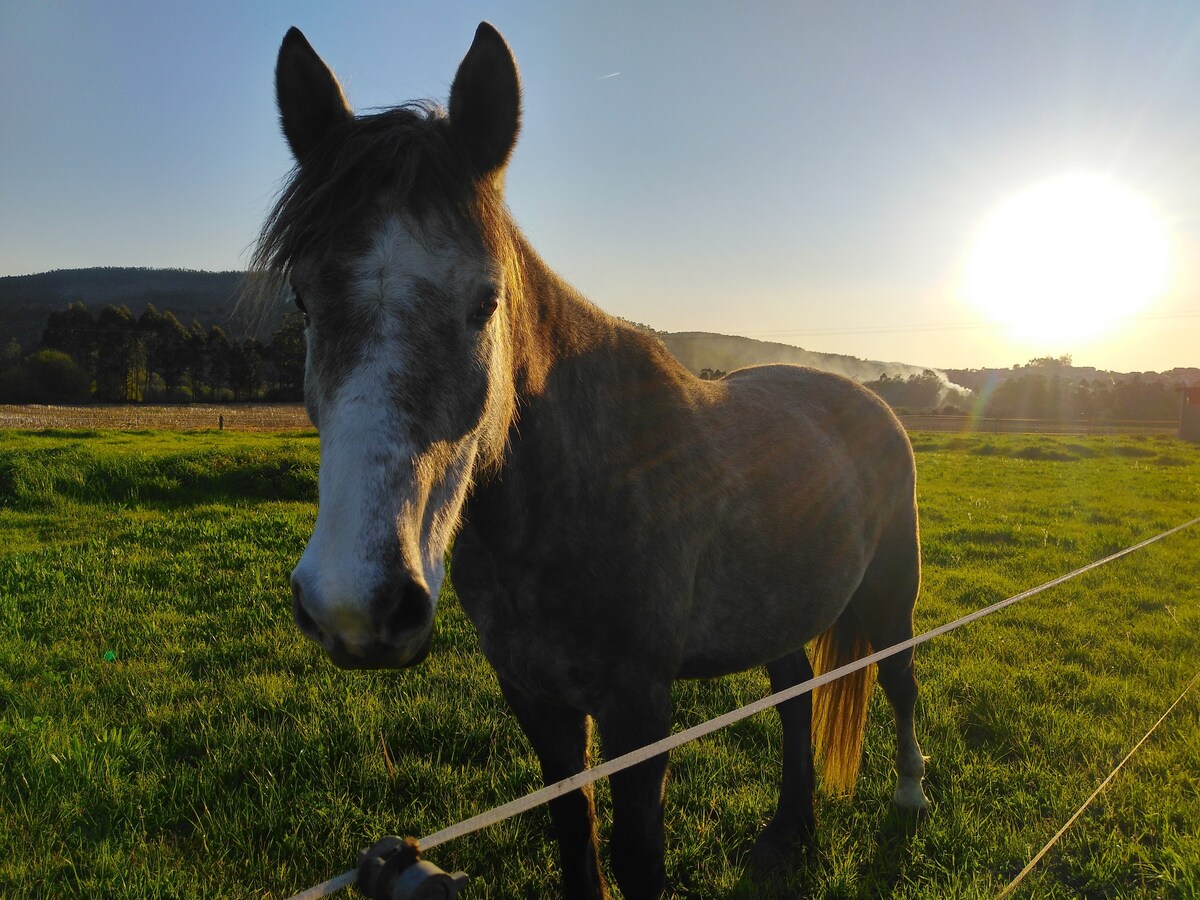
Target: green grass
165 731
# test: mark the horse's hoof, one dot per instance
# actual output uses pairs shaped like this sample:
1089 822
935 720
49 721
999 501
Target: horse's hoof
768 858
909 795
775 850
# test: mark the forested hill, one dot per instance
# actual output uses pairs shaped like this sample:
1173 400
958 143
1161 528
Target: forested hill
26 300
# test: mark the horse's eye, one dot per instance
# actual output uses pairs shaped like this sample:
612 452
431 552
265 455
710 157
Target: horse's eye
300 306
486 303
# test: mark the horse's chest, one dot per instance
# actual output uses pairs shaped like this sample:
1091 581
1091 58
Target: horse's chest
555 631
528 647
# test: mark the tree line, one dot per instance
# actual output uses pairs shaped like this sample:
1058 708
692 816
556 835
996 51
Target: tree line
115 357
1045 388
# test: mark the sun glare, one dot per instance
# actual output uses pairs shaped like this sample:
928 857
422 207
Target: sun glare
1068 260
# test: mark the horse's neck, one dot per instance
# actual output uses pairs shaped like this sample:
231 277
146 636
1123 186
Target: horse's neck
552 324
561 341
582 381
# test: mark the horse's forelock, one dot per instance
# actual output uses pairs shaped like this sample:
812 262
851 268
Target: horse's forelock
405 158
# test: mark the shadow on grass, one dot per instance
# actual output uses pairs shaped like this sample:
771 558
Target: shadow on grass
72 434
893 850
795 875
806 866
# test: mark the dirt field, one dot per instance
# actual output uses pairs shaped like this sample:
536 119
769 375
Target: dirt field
236 417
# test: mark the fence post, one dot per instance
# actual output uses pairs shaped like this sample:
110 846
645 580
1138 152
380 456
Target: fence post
1189 414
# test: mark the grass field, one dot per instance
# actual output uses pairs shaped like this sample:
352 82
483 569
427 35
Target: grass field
165 731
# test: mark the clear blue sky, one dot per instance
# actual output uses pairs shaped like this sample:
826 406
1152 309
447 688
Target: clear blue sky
811 173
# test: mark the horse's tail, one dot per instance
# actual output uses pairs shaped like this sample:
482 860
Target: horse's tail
840 707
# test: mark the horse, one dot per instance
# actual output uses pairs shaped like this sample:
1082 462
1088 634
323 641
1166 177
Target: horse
614 522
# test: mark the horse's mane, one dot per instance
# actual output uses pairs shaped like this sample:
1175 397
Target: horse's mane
405 155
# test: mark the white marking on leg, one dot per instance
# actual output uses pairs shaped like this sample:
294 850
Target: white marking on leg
910 767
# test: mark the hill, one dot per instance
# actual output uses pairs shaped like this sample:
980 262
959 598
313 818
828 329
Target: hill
26 300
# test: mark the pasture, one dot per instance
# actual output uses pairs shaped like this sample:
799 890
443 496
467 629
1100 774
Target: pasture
165 731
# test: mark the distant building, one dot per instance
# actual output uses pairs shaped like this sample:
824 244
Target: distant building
1189 414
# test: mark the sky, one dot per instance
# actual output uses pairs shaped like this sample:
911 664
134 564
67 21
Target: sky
810 173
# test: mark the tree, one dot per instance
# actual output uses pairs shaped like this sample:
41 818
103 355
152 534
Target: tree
12 378
47 376
1051 362
149 326
73 331
245 369
196 354
120 356
166 347
216 360
923 391
10 354
287 352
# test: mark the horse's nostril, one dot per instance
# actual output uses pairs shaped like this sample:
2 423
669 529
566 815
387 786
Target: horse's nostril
407 607
304 621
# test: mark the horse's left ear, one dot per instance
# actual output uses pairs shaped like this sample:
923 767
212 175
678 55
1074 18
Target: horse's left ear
485 101
310 99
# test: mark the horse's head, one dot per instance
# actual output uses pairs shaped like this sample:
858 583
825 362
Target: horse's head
395 240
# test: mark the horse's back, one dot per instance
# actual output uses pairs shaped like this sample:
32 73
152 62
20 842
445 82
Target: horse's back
818 473
814 392
831 426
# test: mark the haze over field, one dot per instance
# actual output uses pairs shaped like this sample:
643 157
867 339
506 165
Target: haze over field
955 186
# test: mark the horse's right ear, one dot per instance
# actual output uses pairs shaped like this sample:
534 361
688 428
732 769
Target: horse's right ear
310 99
485 101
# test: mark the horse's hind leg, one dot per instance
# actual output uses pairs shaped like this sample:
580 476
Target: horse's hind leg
883 604
794 817
560 737
899 683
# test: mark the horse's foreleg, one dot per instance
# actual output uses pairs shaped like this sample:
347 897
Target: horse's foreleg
794 817
560 737
637 793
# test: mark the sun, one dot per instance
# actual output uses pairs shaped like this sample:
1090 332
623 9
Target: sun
1068 260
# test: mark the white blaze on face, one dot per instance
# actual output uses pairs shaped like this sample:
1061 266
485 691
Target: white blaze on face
382 498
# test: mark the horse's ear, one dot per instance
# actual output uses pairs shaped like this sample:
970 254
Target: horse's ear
310 99
485 101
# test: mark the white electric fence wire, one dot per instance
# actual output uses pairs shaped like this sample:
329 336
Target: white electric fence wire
325 888
1012 885
617 764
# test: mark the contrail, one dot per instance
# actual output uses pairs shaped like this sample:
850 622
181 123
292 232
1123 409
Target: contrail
605 77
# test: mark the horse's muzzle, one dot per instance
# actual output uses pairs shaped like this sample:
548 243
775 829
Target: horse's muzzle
377 656
393 631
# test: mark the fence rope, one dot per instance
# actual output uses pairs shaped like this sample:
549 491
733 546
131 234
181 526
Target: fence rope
1012 885
617 764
